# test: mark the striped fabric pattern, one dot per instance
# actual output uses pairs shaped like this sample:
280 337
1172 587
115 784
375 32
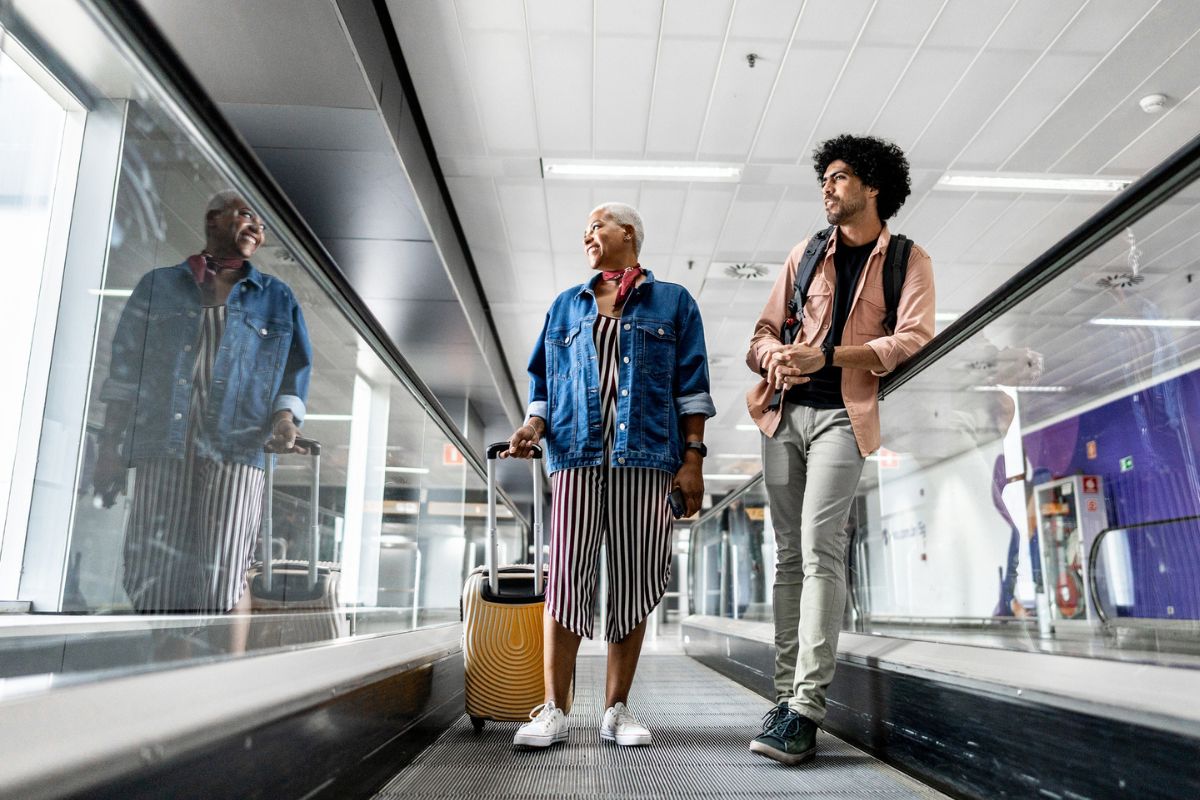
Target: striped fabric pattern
623 508
193 522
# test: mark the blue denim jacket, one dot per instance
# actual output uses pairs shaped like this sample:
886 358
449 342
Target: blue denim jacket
262 366
663 376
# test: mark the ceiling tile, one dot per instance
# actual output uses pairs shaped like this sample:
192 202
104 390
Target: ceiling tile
686 69
500 74
623 82
562 70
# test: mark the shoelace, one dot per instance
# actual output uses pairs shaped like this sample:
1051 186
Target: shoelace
623 716
544 710
781 721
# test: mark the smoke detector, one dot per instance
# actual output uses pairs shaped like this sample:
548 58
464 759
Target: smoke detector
1119 280
745 271
1153 103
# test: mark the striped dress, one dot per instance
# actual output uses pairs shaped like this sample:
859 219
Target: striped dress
623 508
193 522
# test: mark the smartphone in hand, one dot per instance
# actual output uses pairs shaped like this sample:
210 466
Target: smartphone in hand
677 503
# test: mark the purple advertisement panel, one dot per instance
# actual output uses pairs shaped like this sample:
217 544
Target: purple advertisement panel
1144 445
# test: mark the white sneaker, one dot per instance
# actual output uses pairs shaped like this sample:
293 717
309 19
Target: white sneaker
620 726
548 726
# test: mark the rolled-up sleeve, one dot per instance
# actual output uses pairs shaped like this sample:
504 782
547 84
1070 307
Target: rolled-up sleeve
537 377
293 389
691 372
914 315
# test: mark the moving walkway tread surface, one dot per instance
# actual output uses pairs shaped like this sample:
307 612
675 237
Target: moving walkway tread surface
702 723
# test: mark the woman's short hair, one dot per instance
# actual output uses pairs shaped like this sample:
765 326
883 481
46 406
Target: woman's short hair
623 214
221 200
878 163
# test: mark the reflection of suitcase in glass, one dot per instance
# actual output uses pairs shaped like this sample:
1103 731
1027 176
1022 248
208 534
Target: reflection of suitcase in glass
502 630
294 601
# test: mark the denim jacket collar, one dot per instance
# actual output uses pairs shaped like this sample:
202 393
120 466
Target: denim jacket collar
586 287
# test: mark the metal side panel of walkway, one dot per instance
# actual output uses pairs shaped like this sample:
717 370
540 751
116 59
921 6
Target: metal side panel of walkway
702 723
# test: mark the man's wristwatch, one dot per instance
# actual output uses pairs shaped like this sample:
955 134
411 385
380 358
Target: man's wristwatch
828 348
698 446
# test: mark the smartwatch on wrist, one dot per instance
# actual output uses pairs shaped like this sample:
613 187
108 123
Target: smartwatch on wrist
698 446
828 348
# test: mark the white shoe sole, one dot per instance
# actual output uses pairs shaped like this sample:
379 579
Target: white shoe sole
625 739
535 740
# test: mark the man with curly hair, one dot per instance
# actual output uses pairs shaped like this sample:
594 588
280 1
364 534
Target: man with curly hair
819 351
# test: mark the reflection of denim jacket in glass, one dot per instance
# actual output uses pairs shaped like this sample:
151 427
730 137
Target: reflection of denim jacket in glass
262 366
663 376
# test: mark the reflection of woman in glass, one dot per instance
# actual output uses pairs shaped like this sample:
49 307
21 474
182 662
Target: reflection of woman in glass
210 360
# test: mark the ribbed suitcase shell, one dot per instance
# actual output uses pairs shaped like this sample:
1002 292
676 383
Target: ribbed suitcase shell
502 648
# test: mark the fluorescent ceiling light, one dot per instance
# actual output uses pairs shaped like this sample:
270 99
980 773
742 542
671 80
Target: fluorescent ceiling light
110 292
738 455
640 170
726 477
1135 322
746 427
329 417
1041 389
409 470
1030 182
946 316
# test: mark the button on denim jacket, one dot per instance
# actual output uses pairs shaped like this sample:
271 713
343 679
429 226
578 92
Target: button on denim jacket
663 375
262 365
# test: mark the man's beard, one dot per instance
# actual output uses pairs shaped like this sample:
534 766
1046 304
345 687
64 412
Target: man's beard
842 211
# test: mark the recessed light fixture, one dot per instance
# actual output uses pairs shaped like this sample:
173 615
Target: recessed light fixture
408 470
328 417
1135 322
1030 182
640 170
1035 389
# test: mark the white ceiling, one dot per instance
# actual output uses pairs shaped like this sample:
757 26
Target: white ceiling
1015 85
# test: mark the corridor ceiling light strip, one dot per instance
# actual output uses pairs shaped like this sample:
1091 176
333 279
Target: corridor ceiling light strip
1135 322
726 477
640 170
110 292
738 455
408 470
1036 389
1030 182
328 417
745 426
946 316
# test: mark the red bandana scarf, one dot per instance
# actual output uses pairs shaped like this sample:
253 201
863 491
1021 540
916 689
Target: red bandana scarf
628 278
204 266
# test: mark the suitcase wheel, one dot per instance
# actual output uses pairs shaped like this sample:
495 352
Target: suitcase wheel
477 724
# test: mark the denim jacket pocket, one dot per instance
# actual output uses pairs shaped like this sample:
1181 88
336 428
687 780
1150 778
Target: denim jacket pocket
656 348
267 343
565 387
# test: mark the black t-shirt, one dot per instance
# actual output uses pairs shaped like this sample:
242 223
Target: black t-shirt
824 390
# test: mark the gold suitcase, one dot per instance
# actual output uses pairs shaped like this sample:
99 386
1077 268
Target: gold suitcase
502 626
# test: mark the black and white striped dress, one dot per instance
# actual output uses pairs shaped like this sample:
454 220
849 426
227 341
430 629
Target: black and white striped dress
193 521
623 508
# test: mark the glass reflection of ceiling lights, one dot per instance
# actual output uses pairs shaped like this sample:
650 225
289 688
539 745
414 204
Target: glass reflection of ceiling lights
640 170
1034 389
1137 322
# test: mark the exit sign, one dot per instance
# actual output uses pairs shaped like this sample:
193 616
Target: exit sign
1126 463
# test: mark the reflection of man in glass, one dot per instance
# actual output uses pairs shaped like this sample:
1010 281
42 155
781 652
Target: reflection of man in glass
210 360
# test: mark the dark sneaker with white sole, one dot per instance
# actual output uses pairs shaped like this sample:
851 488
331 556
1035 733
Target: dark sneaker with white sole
787 737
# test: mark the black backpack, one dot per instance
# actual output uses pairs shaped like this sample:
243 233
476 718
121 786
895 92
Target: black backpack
895 267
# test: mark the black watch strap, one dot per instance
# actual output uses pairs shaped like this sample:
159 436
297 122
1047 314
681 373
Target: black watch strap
701 446
828 348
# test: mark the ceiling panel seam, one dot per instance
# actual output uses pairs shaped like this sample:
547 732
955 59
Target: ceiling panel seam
1020 81
1074 89
712 90
820 116
1157 121
913 57
787 51
662 16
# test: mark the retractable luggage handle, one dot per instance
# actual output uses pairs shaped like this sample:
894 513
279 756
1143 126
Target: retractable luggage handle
314 450
493 452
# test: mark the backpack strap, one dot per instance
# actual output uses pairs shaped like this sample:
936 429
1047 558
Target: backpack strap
814 253
895 268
